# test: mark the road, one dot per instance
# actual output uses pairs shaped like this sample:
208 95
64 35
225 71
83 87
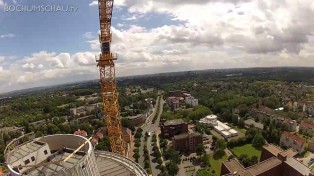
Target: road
144 127
149 127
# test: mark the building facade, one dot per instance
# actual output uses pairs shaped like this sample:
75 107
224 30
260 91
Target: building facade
187 143
171 128
292 141
137 120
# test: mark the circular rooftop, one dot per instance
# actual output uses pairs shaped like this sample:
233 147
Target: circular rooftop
111 164
66 154
211 117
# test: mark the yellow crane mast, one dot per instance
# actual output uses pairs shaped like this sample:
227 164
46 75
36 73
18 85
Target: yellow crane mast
108 81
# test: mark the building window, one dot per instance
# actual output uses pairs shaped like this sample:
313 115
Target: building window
26 162
45 152
33 158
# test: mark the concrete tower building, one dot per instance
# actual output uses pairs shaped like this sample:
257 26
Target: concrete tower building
66 155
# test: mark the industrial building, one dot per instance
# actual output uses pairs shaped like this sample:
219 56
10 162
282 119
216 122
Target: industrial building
66 154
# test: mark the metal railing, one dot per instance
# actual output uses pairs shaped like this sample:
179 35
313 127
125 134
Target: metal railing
131 165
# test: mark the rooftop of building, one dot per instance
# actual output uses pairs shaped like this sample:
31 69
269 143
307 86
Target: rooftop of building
293 137
237 169
307 124
252 122
174 122
275 150
301 168
272 149
233 166
61 146
57 148
211 117
264 166
135 117
110 164
186 135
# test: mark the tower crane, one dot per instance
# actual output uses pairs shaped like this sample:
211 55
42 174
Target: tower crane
109 91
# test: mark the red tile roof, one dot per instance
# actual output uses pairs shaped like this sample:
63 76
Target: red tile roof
305 124
294 137
80 132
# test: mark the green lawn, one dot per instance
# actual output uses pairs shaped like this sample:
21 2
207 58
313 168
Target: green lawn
216 164
247 149
242 130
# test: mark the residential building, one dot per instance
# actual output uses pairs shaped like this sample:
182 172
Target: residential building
173 103
81 133
250 122
292 141
307 128
137 120
187 143
311 145
273 162
127 135
190 100
171 128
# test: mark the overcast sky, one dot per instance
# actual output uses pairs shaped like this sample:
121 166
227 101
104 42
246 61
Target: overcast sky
151 36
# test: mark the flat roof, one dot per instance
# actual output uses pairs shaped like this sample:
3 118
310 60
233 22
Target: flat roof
289 153
264 166
173 122
233 166
298 166
272 149
23 151
54 168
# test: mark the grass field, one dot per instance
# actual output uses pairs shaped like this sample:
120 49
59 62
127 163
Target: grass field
247 149
216 164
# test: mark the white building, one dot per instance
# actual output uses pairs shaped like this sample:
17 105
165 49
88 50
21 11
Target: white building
210 120
225 130
219 127
190 100
64 155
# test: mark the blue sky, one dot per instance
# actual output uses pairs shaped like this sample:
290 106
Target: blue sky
46 48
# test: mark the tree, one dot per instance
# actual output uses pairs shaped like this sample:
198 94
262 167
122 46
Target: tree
136 156
241 123
243 110
220 146
258 141
172 168
205 160
200 149
203 172
159 161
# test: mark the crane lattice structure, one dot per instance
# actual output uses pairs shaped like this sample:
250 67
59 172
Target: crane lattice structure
108 81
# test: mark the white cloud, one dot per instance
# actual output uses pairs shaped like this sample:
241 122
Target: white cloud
6 35
212 34
94 3
88 35
2 3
